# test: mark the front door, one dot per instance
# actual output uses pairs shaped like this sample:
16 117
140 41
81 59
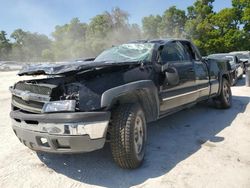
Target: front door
175 59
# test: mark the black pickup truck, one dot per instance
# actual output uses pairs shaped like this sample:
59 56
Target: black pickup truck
81 105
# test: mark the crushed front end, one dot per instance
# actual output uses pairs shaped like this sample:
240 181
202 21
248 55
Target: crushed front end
47 116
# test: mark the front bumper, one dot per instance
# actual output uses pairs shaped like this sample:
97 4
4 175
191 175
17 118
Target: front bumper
61 132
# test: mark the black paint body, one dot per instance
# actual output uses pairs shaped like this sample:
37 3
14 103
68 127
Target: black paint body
161 86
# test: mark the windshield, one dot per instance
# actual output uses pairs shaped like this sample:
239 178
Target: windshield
127 52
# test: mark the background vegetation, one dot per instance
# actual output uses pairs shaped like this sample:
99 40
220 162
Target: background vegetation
223 31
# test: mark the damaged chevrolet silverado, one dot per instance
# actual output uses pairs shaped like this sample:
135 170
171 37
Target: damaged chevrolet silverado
80 105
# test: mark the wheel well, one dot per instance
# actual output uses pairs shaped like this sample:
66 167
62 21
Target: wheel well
145 98
227 77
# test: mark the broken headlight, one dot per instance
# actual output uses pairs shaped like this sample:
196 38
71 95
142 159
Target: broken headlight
71 92
59 106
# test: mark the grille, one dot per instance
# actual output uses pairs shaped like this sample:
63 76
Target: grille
30 106
37 89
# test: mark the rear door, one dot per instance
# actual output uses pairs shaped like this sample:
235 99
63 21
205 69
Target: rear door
174 58
201 71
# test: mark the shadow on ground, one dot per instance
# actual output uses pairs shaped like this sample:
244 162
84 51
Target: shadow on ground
241 82
170 141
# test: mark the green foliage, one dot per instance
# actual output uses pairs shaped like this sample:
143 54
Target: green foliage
243 11
213 32
218 32
77 40
173 23
5 46
47 55
28 46
67 40
110 29
198 26
150 26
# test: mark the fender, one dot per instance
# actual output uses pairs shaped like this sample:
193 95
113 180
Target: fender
222 75
146 92
219 69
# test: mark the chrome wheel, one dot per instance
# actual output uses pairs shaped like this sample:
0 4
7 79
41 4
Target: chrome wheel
138 135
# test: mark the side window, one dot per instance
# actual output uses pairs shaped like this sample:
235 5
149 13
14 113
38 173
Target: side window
190 51
173 52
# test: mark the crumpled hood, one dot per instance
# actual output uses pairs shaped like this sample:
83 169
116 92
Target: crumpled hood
67 67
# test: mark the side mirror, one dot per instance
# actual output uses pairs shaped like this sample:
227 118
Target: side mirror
172 76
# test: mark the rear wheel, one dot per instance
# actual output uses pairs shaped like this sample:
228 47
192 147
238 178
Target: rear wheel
128 134
224 100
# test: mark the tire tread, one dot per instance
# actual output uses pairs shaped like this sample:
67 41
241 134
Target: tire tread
120 136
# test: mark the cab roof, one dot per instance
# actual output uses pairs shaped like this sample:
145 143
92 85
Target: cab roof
159 41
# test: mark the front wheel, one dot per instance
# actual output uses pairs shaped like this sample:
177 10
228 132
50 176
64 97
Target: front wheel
224 100
128 135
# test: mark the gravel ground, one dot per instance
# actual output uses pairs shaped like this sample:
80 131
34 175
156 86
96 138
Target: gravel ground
197 147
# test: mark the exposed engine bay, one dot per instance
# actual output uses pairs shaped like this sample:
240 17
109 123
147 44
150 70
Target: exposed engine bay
84 87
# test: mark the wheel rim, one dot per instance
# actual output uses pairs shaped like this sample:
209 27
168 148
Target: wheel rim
139 135
226 92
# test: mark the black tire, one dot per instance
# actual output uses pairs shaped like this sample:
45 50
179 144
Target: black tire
224 100
125 136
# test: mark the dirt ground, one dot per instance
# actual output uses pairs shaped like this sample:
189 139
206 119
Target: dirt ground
197 147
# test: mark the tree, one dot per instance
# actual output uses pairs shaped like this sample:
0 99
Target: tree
150 25
224 31
119 18
172 23
227 34
243 11
100 25
200 10
29 46
109 29
76 39
198 27
47 55
5 46
69 40
18 35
